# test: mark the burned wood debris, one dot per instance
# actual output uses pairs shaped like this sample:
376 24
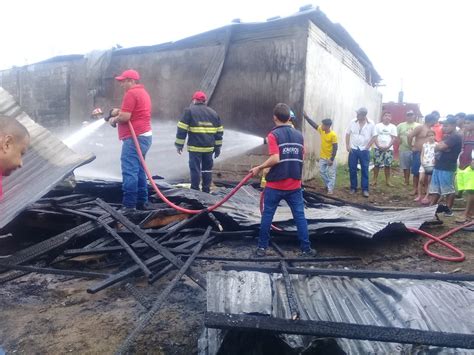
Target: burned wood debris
130 248
149 245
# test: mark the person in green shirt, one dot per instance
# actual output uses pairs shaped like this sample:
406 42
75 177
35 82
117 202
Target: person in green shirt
405 152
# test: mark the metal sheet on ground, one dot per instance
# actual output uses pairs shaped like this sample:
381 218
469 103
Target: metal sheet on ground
46 163
243 208
417 304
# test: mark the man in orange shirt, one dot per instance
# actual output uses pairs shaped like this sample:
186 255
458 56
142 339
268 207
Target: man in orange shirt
437 127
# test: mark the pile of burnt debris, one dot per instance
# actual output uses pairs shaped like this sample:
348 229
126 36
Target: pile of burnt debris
150 244
147 244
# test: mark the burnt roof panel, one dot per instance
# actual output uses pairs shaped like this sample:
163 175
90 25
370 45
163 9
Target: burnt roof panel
243 208
404 303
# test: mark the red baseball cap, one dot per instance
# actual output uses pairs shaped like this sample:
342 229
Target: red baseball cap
128 74
199 96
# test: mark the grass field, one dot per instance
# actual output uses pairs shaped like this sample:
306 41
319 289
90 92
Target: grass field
398 195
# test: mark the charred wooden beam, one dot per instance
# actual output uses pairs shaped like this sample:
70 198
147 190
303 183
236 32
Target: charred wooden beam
338 330
162 297
55 242
124 274
117 237
290 292
215 221
366 274
44 270
118 249
180 226
153 243
277 259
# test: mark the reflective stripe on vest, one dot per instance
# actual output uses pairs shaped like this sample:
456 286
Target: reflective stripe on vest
291 146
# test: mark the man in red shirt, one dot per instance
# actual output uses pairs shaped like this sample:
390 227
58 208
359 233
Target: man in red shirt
286 149
136 109
437 127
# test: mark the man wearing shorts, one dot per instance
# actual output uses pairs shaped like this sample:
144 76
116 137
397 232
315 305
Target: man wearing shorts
416 139
447 152
405 153
385 135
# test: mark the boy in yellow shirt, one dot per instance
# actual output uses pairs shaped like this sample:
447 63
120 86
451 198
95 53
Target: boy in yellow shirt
327 155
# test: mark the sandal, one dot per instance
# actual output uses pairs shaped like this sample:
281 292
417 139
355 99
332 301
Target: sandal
425 201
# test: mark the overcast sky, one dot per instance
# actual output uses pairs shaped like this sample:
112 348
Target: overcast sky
426 45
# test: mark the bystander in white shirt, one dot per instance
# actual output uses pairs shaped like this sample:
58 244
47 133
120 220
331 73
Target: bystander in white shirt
384 133
360 136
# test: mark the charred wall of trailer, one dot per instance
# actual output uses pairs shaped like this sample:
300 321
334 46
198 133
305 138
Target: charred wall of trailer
43 90
264 66
53 93
256 67
335 88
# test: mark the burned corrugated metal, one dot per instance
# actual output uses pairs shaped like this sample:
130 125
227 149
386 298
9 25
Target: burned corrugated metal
46 163
243 207
403 303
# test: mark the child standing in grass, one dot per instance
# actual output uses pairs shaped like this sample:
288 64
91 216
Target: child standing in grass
426 168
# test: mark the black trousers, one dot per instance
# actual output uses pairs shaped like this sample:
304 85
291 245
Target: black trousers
201 164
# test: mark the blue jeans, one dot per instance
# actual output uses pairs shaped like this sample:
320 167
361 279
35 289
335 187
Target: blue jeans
134 184
362 157
294 199
416 163
328 173
201 164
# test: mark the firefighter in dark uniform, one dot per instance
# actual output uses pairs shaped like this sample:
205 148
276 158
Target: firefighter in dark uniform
203 127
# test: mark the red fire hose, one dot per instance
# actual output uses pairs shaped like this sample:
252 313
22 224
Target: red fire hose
171 204
433 240
440 240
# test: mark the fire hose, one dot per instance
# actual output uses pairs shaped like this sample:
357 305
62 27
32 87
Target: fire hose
163 197
434 240
426 246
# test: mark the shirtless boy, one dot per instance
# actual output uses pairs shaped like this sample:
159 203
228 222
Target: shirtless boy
416 139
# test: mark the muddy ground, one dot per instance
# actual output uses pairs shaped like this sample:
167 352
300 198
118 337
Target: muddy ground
55 315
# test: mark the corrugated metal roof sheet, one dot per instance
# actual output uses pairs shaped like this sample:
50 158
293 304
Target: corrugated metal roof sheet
46 163
416 304
243 207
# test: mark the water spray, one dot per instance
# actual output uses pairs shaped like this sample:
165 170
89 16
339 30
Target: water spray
98 114
163 197
88 128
